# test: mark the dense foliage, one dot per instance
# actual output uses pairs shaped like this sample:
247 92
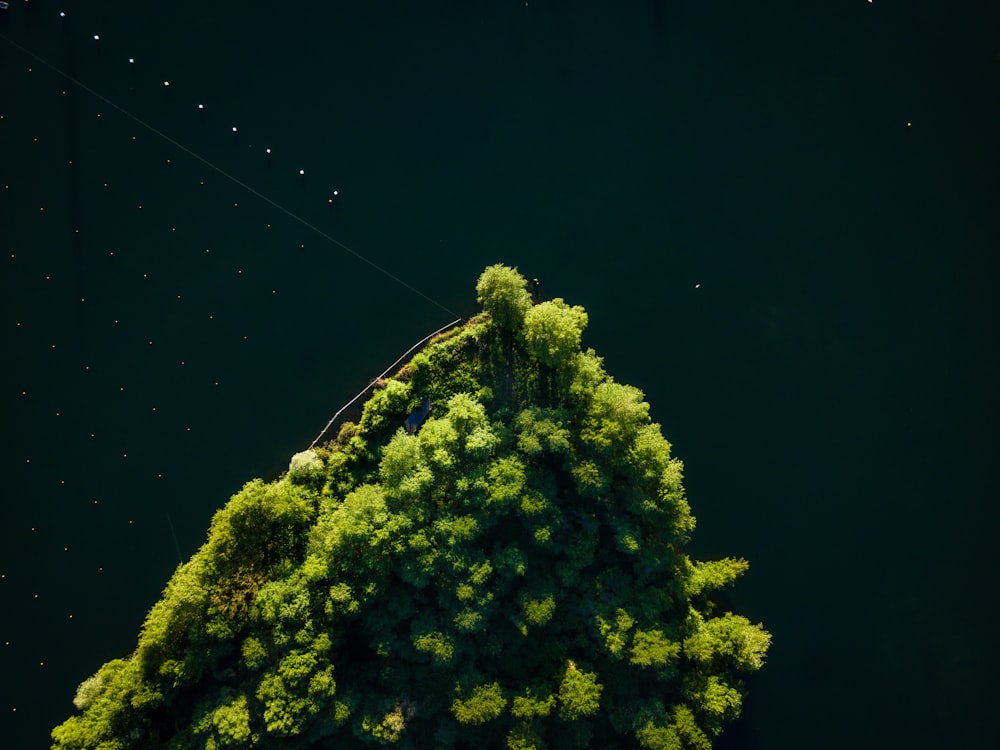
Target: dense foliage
512 575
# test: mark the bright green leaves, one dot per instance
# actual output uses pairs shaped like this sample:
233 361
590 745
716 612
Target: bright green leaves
468 620
293 693
435 462
502 292
284 711
404 472
481 442
254 652
524 738
285 606
123 693
445 367
579 693
716 701
534 503
615 631
172 622
438 441
670 494
538 611
480 572
452 530
352 526
390 727
386 405
731 638
466 414
586 373
474 438
437 645
671 487
227 722
505 482
533 703
651 648
590 481
714 574
357 542
261 525
655 737
341 599
542 430
552 332
645 648
283 601
681 732
259 531
700 647
681 523
744 642
474 595
650 453
485 703
615 418
686 727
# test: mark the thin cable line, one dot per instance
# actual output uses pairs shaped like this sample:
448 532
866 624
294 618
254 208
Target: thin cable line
226 174
177 546
377 378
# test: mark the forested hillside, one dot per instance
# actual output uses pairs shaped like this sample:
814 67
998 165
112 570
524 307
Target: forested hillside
510 574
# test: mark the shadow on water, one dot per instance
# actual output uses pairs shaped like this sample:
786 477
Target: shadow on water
737 736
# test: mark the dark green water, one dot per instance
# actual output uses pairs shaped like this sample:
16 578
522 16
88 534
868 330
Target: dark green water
830 384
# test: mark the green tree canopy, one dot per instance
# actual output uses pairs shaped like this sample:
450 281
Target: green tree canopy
552 331
503 293
513 575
